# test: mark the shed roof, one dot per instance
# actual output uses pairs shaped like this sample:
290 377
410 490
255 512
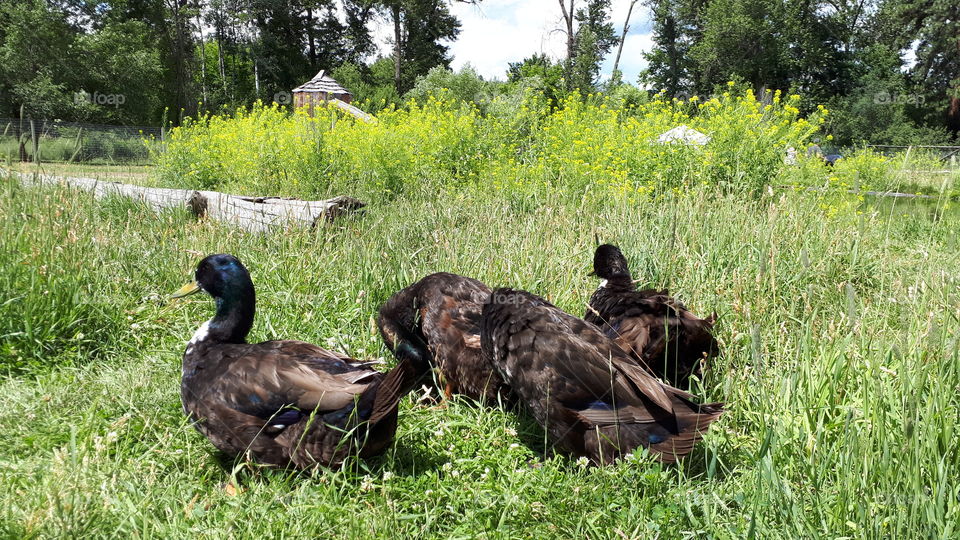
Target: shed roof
322 83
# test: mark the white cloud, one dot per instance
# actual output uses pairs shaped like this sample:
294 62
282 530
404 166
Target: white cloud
497 32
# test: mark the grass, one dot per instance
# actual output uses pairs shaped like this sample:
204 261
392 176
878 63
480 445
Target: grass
130 174
839 323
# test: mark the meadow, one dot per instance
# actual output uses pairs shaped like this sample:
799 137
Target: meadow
839 322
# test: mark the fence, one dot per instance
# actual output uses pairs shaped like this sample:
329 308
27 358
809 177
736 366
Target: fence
947 153
38 141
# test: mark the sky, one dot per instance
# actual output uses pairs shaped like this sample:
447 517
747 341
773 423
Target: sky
497 32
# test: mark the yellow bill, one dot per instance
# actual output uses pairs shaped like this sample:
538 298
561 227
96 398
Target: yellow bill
187 290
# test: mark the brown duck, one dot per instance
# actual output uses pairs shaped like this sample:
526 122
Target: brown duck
439 316
652 326
592 399
282 402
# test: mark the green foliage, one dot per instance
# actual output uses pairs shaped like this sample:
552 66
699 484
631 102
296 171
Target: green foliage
520 146
419 29
834 52
676 27
45 60
936 74
538 73
465 86
32 66
264 150
749 27
593 39
372 86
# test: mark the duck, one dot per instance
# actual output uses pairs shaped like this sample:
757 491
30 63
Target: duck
282 402
588 394
439 317
656 329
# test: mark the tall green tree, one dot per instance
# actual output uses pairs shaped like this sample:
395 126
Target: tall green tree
420 28
677 26
934 26
36 67
590 36
539 72
594 38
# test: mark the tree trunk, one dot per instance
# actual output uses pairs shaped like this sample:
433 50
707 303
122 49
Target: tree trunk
220 63
397 45
623 38
953 113
673 60
249 213
179 55
253 59
311 41
568 15
203 60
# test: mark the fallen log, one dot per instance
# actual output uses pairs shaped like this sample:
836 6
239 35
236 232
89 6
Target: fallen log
249 213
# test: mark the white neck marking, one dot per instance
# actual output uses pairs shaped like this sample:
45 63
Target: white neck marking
199 335
603 284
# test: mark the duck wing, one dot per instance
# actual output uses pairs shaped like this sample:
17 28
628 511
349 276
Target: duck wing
589 395
588 366
266 379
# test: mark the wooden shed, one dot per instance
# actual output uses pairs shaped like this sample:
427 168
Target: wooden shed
318 89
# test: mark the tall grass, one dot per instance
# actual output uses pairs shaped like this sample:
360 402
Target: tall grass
839 323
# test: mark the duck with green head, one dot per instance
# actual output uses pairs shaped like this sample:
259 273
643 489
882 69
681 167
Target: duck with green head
282 402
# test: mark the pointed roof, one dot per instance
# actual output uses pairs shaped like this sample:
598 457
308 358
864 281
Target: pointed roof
322 83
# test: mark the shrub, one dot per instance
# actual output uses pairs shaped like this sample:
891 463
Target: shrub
262 150
605 145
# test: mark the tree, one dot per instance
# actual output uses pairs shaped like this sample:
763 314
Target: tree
615 74
743 40
120 60
466 85
594 38
419 27
359 15
34 72
588 41
676 29
540 73
933 25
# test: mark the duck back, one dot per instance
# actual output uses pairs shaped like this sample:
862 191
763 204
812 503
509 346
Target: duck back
440 316
592 399
657 330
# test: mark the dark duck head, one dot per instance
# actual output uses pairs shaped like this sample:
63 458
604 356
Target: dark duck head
225 279
610 265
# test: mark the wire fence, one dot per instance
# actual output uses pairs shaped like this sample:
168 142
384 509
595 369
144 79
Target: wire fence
949 154
46 141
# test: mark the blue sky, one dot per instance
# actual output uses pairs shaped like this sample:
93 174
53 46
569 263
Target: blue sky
497 32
